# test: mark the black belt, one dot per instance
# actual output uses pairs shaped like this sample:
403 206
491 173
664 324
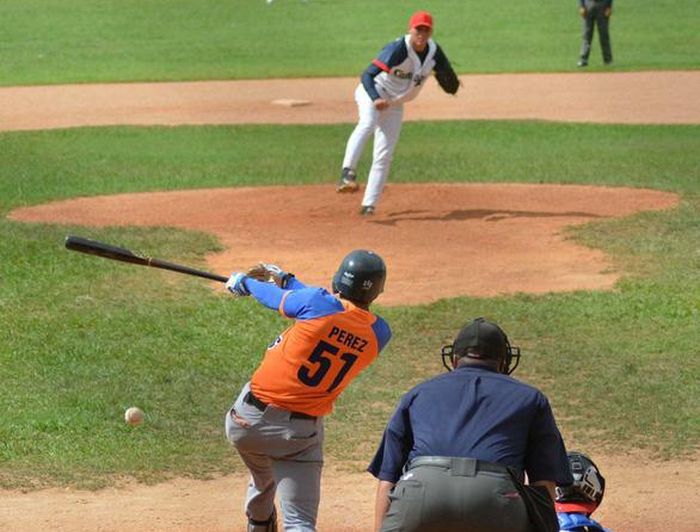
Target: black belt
261 405
458 466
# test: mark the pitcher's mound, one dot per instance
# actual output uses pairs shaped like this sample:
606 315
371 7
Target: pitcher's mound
437 240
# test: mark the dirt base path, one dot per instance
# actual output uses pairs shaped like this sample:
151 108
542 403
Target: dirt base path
626 98
520 227
643 496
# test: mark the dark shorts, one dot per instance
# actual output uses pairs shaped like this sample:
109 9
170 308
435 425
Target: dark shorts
455 494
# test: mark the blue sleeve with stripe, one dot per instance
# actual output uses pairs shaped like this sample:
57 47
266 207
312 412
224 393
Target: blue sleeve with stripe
269 294
294 284
391 55
368 81
394 53
310 303
382 331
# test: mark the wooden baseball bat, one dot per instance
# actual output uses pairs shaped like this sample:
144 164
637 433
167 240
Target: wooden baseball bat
108 251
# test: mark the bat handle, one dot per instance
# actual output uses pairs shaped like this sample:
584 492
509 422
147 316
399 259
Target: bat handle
165 265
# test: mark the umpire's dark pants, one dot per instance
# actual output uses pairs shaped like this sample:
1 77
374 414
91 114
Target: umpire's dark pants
442 494
595 16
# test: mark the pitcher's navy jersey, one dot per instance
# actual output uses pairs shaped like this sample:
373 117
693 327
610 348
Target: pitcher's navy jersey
399 72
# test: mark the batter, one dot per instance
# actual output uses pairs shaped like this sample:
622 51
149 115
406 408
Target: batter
276 424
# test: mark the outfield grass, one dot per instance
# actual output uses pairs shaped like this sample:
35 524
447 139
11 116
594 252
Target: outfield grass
48 42
43 165
81 341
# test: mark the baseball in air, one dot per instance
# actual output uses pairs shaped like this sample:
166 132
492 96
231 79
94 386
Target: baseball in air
133 416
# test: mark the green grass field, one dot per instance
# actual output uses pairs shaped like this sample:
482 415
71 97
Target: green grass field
81 341
46 42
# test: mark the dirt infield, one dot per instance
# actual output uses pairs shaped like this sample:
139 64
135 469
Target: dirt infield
643 496
519 228
625 98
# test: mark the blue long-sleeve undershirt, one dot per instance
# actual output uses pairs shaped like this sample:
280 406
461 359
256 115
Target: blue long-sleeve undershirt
269 294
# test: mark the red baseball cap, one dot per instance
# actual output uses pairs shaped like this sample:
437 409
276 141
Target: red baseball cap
420 18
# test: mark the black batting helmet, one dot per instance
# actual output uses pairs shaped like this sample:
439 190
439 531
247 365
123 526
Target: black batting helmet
360 276
586 493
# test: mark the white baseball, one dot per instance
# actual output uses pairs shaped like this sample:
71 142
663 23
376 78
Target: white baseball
133 416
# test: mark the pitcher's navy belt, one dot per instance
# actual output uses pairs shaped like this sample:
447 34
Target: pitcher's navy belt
458 466
261 405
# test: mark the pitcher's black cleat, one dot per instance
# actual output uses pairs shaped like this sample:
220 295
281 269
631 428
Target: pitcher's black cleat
348 181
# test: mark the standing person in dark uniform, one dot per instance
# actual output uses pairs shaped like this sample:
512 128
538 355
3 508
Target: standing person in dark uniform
595 13
443 461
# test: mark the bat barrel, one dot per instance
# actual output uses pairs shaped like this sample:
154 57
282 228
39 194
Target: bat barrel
101 249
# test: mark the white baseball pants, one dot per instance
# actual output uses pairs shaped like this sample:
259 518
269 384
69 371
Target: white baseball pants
386 126
284 456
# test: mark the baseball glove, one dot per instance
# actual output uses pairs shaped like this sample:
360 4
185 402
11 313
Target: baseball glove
448 80
270 273
259 272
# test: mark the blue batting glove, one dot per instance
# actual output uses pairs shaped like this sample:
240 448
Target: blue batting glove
236 285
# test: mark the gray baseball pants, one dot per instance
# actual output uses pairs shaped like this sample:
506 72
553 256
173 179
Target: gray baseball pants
453 498
284 456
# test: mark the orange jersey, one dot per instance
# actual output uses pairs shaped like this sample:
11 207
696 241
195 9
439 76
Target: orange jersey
309 365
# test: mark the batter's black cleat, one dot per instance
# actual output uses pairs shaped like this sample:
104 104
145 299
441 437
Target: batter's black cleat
348 181
582 63
270 525
367 210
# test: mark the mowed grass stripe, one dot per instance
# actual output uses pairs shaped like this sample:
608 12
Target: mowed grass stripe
74 41
43 165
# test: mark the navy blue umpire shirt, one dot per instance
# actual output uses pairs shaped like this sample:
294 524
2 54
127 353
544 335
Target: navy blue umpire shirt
474 412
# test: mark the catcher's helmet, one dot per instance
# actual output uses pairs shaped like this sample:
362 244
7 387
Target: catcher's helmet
360 277
482 339
586 493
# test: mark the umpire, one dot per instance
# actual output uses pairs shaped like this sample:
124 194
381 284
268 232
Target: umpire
595 13
444 459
